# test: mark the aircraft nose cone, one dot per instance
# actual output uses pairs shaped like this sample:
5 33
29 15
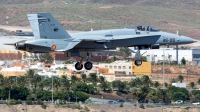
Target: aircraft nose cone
186 40
194 40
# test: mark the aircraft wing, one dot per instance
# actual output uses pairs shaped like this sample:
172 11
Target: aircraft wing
100 39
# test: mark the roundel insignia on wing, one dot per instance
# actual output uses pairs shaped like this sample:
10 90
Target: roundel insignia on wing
53 47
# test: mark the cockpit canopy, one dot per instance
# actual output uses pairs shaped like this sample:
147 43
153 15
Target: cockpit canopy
144 28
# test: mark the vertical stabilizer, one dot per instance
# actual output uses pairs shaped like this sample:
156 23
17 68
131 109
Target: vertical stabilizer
45 26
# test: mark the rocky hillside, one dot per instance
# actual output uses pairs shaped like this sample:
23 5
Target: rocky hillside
167 15
169 3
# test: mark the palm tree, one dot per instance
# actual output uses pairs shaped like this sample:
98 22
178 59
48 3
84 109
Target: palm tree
180 78
56 82
22 80
30 73
162 93
156 84
138 81
101 79
173 80
146 80
74 78
83 77
192 85
142 93
105 85
1 79
166 84
9 83
198 81
93 78
132 83
47 83
35 80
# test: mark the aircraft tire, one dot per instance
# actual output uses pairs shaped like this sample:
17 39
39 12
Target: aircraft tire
78 66
88 65
138 62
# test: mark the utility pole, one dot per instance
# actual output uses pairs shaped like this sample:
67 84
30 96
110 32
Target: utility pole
163 68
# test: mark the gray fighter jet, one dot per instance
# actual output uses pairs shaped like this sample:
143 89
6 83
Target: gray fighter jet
50 36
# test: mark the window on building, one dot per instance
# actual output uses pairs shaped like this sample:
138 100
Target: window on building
129 73
106 66
119 67
124 67
129 67
120 72
115 67
110 67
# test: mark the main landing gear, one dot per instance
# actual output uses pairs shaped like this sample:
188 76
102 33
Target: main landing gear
88 65
138 61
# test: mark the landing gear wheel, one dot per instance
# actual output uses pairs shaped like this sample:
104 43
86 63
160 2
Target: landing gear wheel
78 66
138 62
88 65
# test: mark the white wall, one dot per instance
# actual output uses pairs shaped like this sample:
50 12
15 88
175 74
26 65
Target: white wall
187 54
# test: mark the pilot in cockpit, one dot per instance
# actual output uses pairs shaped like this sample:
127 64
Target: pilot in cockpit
139 28
147 28
143 28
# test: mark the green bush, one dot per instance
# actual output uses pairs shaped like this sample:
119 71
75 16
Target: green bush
80 95
179 96
142 106
78 106
19 93
11 102
194 92
39 102
29 102
18 102
44 106
44 95
119 93
4 93
87 109
68 105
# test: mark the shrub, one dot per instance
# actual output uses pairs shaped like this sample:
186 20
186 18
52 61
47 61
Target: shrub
12 102
29 102
149 106
118 93
44 95
18 102
44 106
87 109
142 106
77 106
39 102
68 105
81 96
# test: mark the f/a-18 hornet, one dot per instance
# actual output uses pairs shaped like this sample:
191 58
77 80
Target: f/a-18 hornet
50 36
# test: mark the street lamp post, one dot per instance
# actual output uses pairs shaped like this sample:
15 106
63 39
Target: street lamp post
52 87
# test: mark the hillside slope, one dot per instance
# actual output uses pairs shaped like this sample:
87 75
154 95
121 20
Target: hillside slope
167 15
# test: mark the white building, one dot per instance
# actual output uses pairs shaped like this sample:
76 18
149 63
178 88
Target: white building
156 55
119 67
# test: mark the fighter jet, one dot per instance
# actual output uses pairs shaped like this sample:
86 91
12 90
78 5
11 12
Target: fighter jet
50 36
